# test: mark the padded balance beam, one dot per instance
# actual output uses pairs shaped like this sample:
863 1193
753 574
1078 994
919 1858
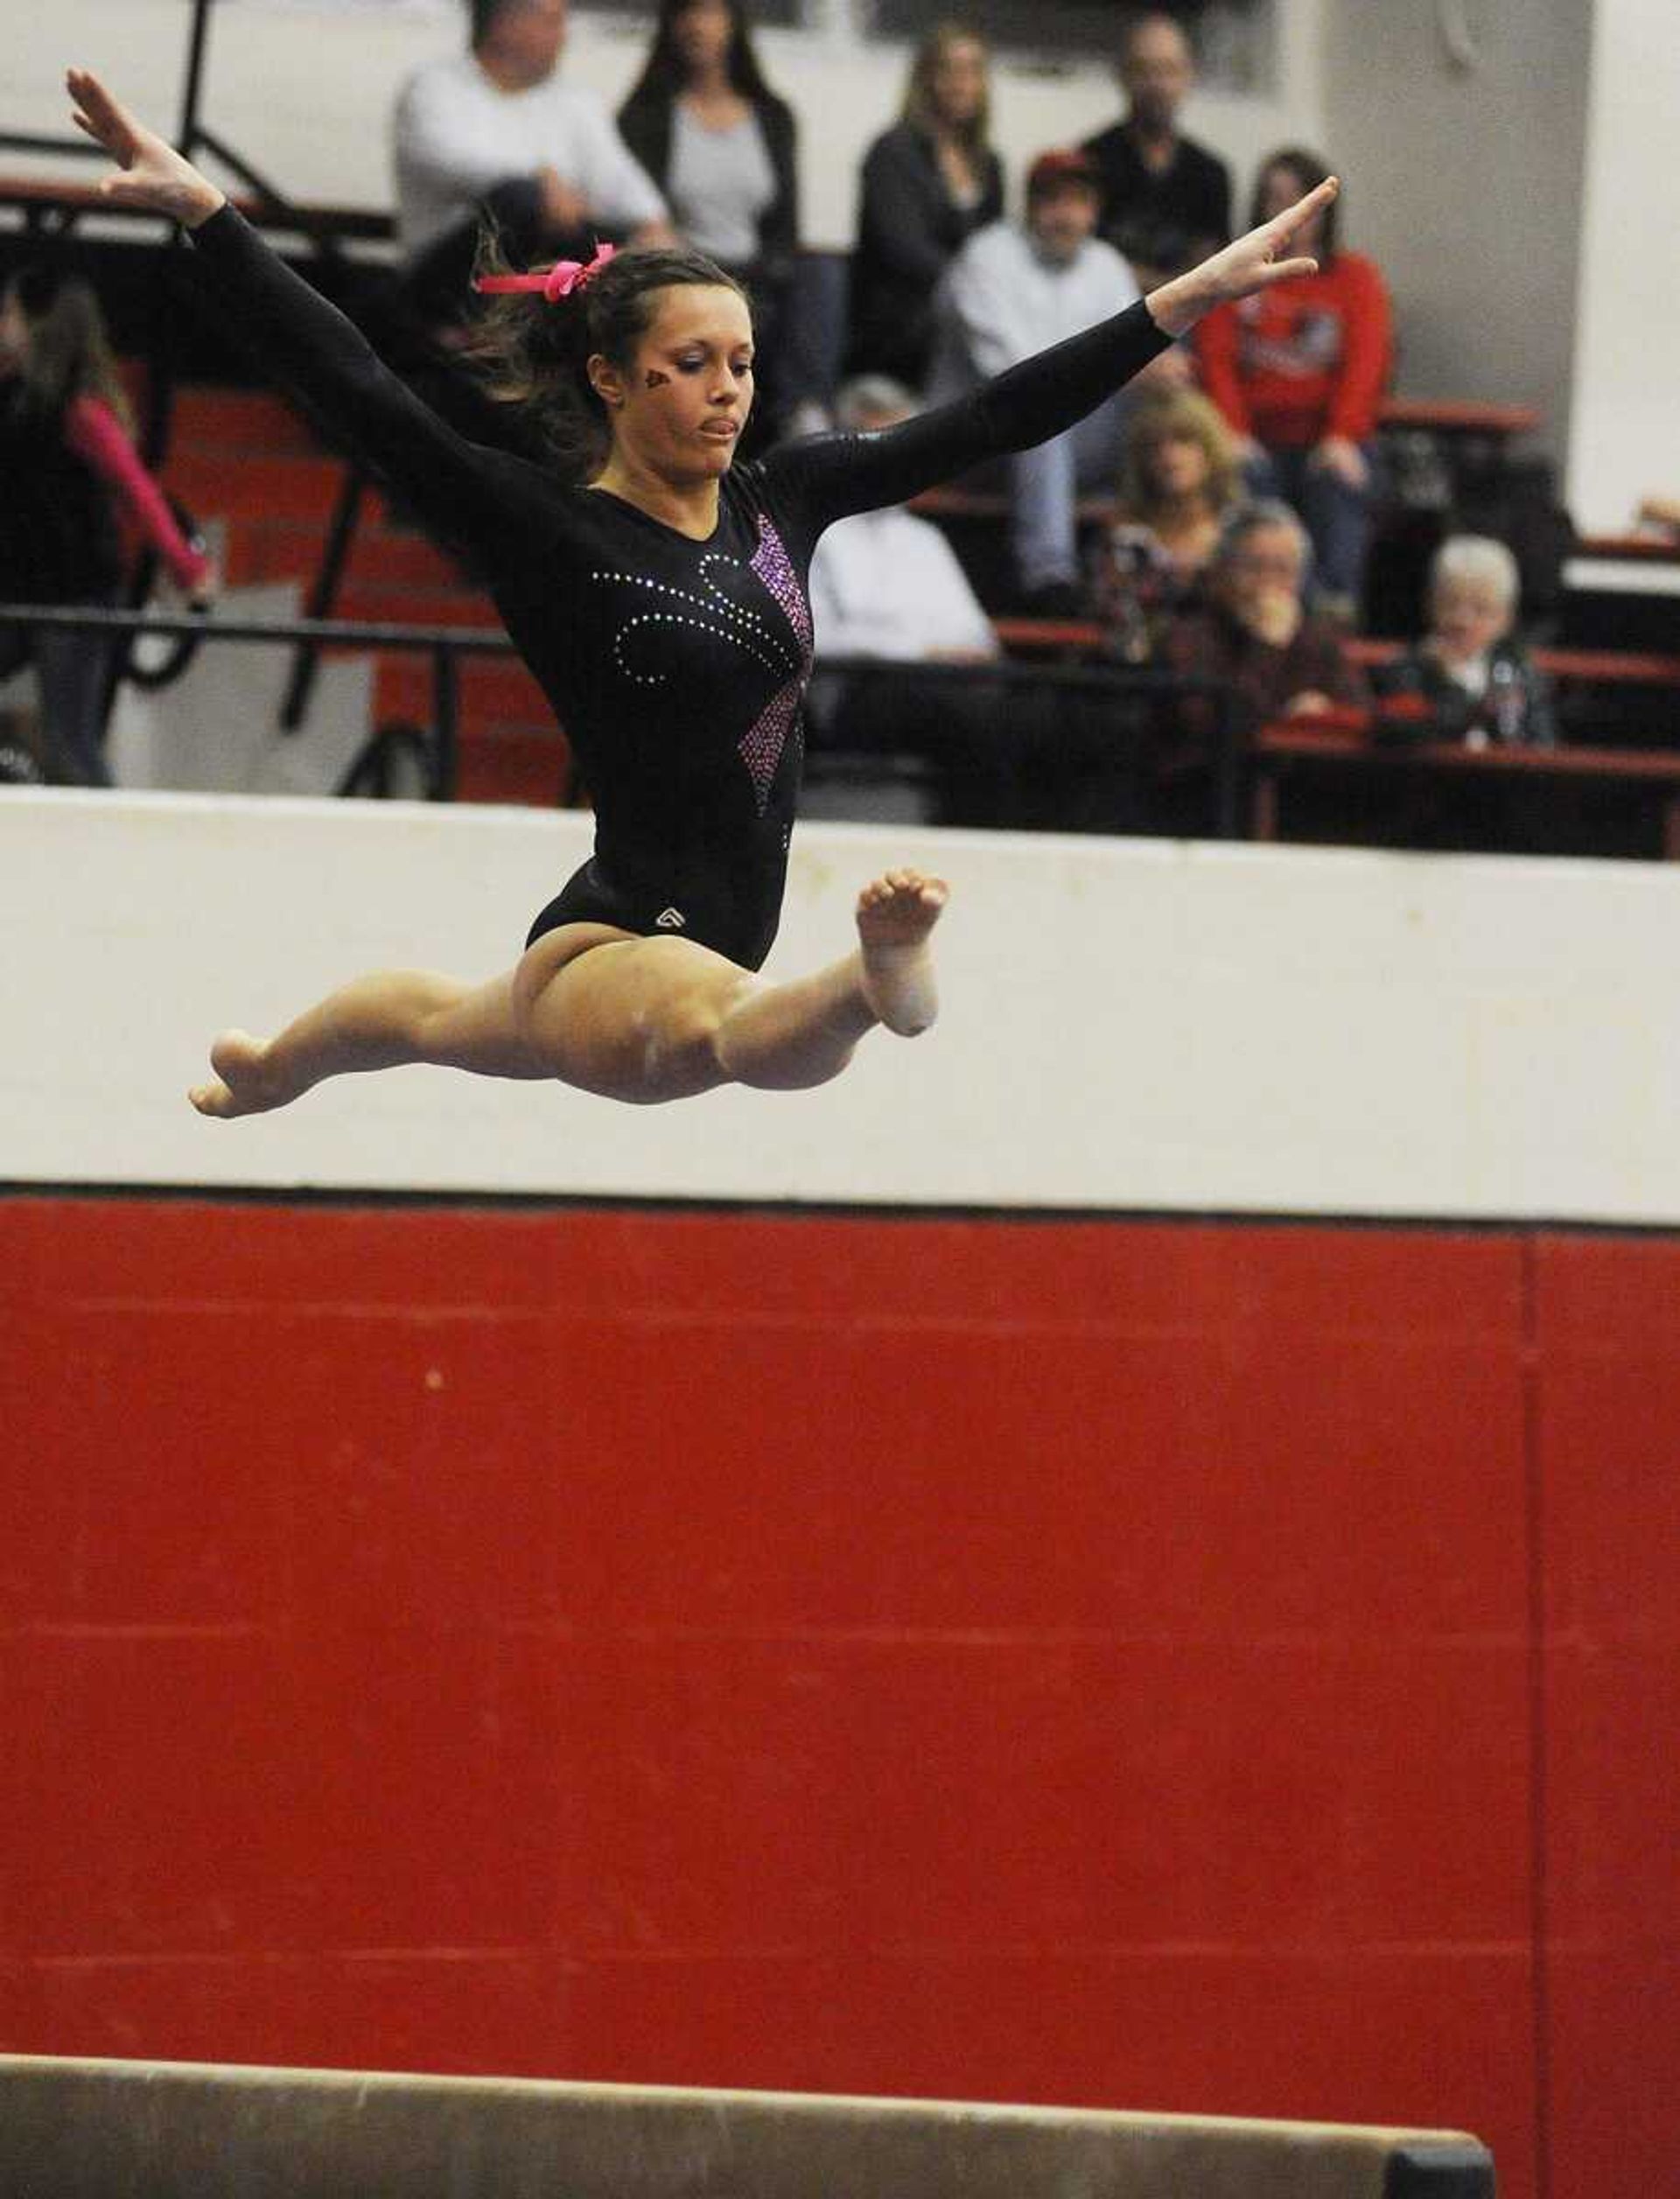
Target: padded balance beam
142 2130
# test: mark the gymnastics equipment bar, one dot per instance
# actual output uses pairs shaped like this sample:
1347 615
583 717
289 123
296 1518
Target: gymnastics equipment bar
448 644
75 2129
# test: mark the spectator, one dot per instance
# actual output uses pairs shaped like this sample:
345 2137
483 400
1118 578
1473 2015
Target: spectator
1017 289
928 184
1166 200
71 473
886 584
1254 635
723 148
1179 484
1298 375
493 132
1467 679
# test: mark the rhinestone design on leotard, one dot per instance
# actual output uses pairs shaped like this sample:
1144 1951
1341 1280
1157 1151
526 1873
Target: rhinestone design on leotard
714 613
719 614
761 745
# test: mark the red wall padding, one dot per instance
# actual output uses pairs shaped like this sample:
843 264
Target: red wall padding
1222 1668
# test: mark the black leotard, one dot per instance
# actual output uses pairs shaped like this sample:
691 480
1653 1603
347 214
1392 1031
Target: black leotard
678 668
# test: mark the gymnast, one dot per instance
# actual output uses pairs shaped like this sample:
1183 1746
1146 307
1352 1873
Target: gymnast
657 593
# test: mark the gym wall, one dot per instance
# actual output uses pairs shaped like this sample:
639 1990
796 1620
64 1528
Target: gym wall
743 1593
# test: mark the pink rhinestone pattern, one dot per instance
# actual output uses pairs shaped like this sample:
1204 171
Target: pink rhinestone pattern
761 745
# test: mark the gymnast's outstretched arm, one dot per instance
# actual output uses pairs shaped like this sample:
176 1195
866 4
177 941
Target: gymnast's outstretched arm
459 488
1043 396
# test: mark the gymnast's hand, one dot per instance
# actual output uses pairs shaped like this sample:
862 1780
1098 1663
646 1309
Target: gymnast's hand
154 176
1254 262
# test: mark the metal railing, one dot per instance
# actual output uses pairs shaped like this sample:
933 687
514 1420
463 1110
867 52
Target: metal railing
446 646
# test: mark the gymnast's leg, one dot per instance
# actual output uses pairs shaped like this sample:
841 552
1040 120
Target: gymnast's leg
384 1021
611 1012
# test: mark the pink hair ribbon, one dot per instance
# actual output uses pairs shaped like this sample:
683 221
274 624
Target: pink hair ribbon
554 283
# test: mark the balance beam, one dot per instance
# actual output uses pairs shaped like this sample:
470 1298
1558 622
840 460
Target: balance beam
155 2130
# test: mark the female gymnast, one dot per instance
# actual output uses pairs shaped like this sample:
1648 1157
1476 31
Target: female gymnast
658 598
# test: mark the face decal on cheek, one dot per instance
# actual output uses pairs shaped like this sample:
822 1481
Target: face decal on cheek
654 379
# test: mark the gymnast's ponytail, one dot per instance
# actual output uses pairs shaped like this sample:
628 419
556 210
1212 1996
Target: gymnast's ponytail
533 351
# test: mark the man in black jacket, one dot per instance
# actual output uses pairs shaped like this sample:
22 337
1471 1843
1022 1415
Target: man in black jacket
1166 200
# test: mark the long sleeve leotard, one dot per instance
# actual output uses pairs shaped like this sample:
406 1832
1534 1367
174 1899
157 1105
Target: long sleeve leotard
678 668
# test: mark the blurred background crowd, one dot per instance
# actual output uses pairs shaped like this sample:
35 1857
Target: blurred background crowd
1244 520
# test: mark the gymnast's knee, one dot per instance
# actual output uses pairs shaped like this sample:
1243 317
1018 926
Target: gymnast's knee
669 1049
685 1040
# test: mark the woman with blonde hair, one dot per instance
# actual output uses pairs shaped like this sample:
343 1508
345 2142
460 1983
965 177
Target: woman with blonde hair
928 184
1179 483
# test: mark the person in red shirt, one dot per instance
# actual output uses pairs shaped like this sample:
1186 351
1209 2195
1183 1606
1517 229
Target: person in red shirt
71 471
1299 372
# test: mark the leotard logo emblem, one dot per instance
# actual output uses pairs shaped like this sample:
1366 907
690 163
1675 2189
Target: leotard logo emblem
670 920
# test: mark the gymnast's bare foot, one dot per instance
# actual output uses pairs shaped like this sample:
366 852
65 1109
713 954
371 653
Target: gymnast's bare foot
895 915
245 1083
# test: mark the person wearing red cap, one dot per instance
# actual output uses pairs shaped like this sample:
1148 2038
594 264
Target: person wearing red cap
1015 289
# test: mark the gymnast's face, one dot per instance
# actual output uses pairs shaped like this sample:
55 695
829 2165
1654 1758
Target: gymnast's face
680 410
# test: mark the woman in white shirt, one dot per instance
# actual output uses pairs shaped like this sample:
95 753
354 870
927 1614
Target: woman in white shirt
886 585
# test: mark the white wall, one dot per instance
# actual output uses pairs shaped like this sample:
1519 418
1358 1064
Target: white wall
304 95
1625 413
1128 1025
1465 182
